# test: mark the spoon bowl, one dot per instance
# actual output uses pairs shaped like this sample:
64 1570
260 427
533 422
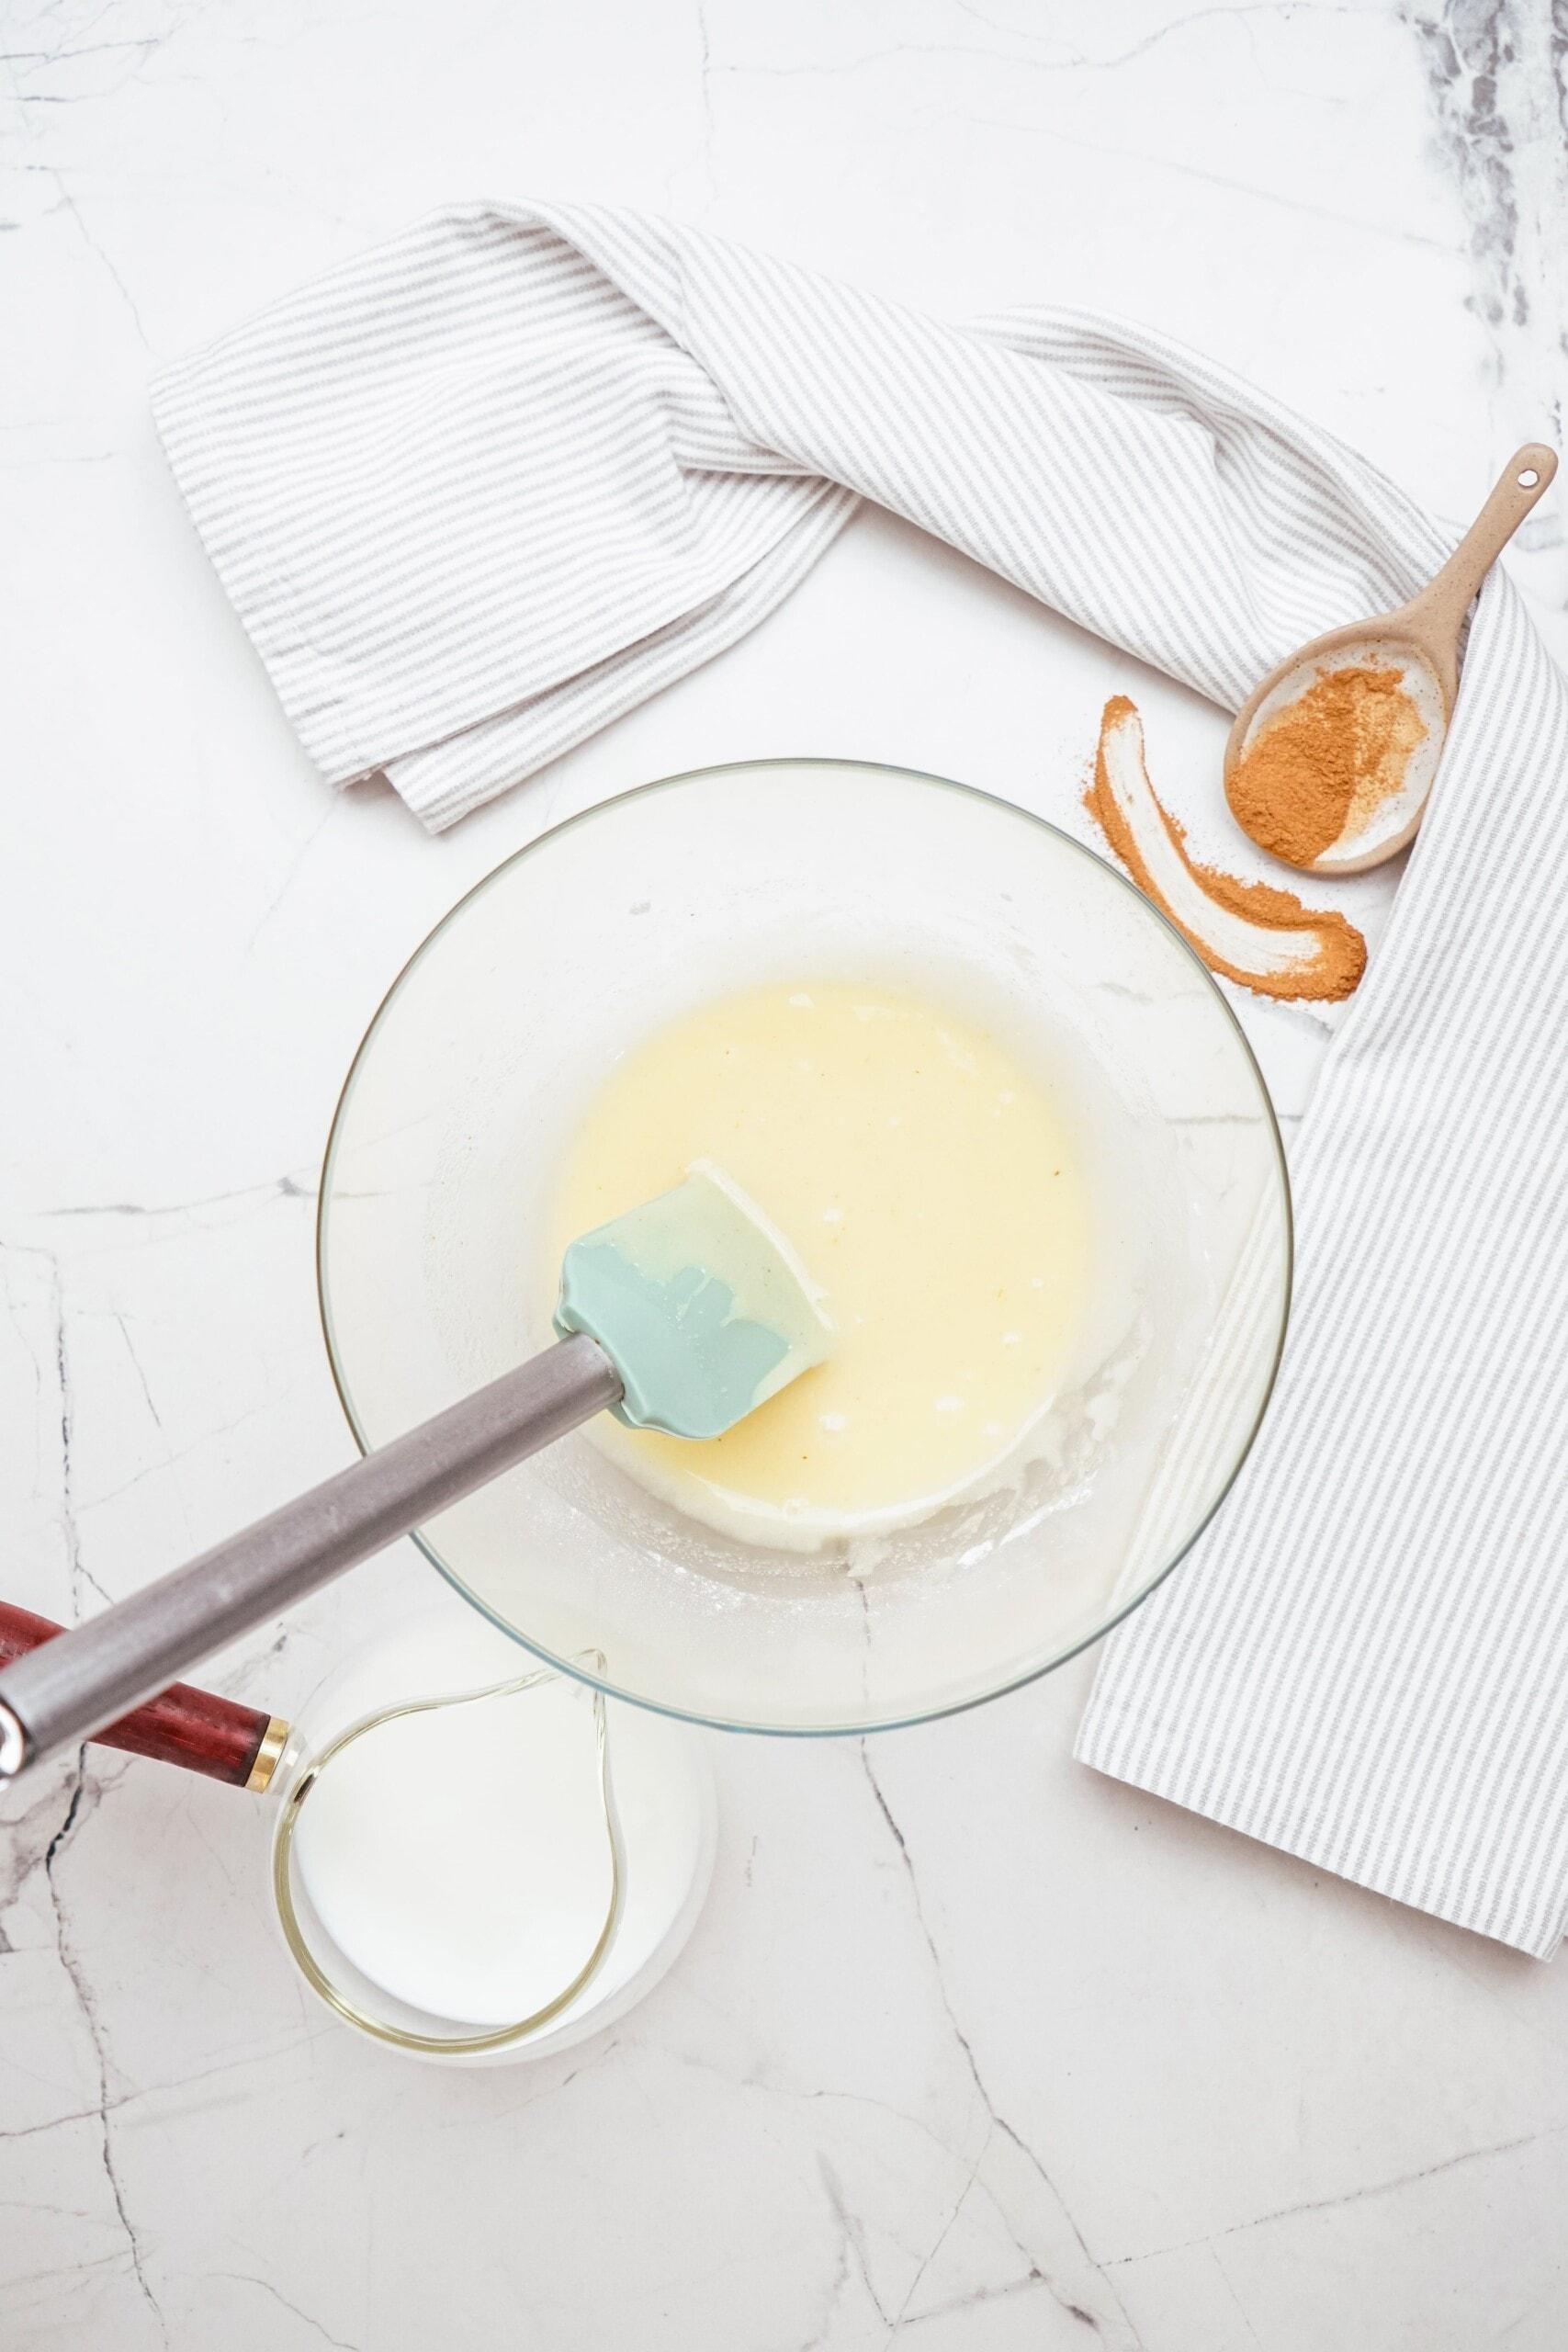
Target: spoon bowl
1420 640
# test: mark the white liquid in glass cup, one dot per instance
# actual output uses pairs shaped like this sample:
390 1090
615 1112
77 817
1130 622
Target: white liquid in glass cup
494 1875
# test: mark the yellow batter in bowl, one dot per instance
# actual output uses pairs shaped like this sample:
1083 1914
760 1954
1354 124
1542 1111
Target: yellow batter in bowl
931 1185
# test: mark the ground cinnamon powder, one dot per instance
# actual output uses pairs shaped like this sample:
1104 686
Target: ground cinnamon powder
1303 955
1333 753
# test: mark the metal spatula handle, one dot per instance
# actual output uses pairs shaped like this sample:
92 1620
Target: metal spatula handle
67 1689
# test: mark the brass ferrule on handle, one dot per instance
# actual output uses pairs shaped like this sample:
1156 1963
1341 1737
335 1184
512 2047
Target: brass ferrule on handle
269 1755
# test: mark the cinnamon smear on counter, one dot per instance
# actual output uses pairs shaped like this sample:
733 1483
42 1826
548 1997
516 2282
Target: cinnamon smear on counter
1294 952
1331 756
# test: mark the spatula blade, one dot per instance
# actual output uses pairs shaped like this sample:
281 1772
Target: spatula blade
700 1303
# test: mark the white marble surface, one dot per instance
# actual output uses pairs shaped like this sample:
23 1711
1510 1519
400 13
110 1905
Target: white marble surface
971 2049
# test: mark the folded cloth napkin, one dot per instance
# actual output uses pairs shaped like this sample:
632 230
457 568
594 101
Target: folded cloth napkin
481 491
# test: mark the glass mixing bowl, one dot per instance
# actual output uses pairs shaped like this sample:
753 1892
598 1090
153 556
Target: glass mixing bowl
449 1134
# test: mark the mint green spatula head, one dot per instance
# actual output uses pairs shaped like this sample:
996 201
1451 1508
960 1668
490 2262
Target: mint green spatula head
700 1304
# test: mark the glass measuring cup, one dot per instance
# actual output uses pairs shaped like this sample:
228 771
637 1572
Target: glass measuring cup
552 1850
611 1821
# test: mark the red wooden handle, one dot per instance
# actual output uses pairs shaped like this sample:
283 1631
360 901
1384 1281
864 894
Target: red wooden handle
181 1725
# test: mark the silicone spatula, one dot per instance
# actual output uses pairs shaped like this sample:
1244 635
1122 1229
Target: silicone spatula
683 1314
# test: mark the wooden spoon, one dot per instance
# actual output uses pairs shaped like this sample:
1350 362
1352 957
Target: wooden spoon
1421 639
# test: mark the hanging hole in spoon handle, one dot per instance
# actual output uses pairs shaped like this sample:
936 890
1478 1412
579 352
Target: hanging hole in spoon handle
1436 615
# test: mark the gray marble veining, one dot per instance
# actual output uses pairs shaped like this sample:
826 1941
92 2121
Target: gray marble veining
1497 75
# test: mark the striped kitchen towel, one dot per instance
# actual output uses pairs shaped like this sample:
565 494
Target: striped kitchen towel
1364 1660
488 487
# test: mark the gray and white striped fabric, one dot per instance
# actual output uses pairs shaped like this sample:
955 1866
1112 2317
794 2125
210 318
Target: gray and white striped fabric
485 489
1366 1660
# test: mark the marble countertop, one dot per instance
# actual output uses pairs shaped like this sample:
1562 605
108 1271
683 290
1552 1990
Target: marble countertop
971 2049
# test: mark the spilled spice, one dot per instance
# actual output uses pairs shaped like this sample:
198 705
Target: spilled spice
1328 760
1263 938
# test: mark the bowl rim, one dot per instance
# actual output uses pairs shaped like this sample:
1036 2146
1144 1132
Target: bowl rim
600 807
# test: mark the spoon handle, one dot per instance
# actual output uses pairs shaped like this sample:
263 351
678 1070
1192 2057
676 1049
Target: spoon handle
1444 602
